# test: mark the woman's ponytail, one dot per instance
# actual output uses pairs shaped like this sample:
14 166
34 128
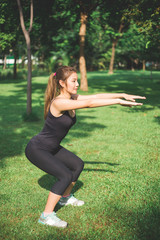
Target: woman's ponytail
50 93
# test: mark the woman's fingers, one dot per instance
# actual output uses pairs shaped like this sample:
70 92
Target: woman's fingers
127 103
139 104
133 97
139 97
135 104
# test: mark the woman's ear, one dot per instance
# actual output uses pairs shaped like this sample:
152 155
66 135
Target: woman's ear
61 83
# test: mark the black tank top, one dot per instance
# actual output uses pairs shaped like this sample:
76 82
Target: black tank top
54 130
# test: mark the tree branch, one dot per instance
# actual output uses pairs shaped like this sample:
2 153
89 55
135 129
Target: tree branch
121 27
21 17
31 16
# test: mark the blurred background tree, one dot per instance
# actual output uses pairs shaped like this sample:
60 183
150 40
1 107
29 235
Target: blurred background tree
117 35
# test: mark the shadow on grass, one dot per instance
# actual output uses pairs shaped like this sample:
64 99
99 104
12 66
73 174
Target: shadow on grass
144 223
141 216
157 119
97 169
108 163
149 224
47 181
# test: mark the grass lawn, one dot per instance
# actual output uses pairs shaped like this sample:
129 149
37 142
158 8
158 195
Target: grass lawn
120 148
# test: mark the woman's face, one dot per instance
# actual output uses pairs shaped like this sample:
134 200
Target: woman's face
72 84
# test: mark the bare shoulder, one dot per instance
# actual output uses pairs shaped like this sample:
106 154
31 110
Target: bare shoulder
54 109
63 104
60 100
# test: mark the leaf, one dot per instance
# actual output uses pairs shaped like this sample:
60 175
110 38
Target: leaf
147 44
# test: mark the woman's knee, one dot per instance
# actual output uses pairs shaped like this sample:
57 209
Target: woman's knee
80 165
78 170
67 178
63 182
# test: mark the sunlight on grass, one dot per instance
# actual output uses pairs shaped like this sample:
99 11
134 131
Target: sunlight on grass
120 148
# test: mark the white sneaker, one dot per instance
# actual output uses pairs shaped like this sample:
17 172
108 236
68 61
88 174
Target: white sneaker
70 200
52 220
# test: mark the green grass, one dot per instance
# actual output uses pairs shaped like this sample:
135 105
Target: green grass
120 148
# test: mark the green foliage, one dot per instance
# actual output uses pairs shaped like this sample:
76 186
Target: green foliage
147 44
97 47
135 44
55 34
9 30
113 34
6 41
7 74
146 15
133 40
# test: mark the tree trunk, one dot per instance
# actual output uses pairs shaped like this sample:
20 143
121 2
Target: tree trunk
82 62
144 65
22 63
29 82
132 67
15 66
114 43
5 62
28 43
151 70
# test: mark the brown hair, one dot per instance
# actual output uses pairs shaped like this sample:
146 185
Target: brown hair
53 86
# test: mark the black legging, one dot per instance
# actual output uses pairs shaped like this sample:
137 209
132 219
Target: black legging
62 164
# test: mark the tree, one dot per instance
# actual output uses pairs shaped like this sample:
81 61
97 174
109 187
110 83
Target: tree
115 37
115 23
28 43
97 43
82 62
9 30
85 8
146 15
132 48
57 36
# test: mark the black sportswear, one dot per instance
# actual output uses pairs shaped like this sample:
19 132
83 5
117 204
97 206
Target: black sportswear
44 151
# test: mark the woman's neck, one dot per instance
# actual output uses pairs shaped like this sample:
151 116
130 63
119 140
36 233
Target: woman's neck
65 95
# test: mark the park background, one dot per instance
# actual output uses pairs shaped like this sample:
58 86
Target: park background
114 46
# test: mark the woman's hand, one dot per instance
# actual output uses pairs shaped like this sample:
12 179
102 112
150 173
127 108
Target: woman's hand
132 97
128 103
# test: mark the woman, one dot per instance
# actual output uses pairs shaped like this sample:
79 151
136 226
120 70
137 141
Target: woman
44 150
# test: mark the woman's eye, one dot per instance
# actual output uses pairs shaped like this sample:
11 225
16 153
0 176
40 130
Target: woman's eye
75 81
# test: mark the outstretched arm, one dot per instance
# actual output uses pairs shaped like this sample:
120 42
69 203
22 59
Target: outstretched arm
68 104
108 96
